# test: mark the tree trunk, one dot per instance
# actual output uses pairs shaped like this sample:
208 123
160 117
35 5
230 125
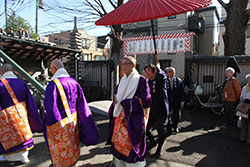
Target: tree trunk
116 50
235 25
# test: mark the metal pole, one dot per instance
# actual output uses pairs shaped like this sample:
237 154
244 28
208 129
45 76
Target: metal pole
6 14
37 17
153 33
22 72
76 66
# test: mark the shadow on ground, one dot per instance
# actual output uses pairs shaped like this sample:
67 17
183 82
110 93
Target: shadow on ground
39 155
219 147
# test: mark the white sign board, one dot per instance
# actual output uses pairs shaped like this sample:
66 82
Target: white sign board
170 43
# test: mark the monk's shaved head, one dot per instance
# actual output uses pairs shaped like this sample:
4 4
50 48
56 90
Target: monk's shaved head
6 67
57 63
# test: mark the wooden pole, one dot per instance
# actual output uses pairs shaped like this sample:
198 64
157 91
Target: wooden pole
153 33
135 56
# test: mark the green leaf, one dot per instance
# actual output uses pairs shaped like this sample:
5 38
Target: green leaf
17 22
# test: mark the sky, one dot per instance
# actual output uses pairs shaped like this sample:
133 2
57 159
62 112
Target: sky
51 20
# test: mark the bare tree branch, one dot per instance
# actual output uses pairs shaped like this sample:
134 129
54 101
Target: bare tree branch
98 4
103 9
99 12
112 4
92 14
88 5
223 4
120 2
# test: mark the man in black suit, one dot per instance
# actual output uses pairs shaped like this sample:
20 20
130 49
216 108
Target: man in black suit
159 106
176 93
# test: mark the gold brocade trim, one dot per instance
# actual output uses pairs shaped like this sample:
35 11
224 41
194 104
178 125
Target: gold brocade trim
26 149
14 124
63 137
120 136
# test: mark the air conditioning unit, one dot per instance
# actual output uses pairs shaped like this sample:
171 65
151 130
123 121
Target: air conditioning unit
196 23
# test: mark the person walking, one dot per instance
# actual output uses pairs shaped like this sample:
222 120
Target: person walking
68 119
19 117
127 124
245 126
159 110
176 93
230 95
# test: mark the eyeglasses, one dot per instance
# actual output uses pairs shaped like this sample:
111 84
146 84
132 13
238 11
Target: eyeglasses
125 64
51 68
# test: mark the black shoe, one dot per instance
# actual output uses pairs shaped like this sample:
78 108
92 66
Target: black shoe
149 147
157 154
242 141
247 144
168 132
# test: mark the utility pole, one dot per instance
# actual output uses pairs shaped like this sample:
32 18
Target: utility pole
37 16
39 5
6 14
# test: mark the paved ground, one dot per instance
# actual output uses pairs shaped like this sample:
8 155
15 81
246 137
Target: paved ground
199 143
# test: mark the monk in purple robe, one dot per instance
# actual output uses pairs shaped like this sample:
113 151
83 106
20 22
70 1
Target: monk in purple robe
12 126
127 124
56 112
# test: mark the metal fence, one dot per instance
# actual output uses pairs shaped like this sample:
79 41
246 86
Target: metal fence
95 79
210 75
208 71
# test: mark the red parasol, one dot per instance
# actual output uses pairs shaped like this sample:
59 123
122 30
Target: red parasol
142 10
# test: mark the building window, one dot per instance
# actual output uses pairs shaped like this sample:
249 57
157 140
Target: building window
100 58
87 57
60 41
85 42
172 17
196 44
55 40
171 53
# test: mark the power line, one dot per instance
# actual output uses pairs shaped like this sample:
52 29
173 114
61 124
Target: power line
93 20
139 23
17 8
56 6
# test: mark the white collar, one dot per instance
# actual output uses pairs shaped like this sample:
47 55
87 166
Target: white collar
126 90
8 74
61 72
